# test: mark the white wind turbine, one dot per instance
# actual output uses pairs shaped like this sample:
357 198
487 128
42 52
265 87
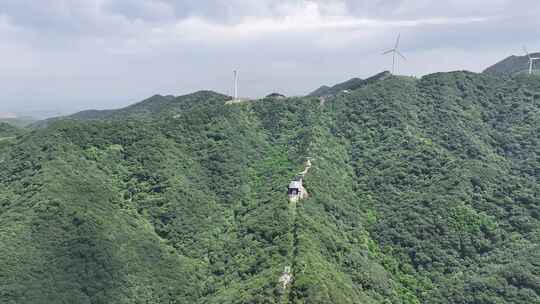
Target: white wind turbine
395 52
235 72
531 60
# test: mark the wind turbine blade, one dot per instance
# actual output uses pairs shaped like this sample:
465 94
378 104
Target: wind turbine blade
401 55
397 41
388 52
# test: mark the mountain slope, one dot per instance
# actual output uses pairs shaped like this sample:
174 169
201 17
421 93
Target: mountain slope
349 85
19 122
513 65
7 130
145 109
421 191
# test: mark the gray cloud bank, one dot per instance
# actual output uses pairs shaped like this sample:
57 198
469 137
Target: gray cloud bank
66 55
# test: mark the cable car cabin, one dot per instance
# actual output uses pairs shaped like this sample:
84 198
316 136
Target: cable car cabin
296 191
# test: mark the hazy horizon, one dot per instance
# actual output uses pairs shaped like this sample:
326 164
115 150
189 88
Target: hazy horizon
61 57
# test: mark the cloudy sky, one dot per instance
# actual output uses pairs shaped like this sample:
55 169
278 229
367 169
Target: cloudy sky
60 56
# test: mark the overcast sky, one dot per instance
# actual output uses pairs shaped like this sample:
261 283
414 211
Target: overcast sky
60 56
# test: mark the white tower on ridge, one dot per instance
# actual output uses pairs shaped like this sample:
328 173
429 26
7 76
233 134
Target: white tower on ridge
531 60
235 84
395 52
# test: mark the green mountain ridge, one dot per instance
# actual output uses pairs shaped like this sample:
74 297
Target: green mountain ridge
19 122
349 85
145 109
8 130
513 65
421 191
159 104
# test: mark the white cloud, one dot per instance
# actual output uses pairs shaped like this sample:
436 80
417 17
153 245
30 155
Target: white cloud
305 18
77 53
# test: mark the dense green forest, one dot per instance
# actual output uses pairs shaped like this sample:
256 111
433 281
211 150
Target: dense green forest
19 122
8 130
421 191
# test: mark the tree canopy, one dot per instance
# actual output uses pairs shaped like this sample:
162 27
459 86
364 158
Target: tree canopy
421 191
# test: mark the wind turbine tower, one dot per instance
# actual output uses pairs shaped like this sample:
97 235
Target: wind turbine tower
235 72
531 60
395 52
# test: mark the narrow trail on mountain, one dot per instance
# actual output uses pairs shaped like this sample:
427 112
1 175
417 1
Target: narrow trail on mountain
287 278
306 170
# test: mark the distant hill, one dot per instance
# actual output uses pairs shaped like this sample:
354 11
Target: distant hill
276 95
20 122
146 108
347 85
320 91
7 130
350 85
513 65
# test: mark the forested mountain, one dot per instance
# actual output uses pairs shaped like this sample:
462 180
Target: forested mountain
19 122
513 65
421 191
145 109
349 85
8 130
